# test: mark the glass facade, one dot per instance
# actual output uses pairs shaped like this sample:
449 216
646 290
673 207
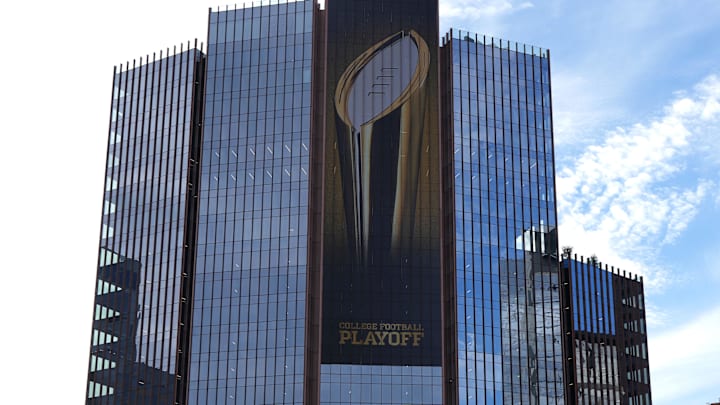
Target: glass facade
366 384
330 207
137 305
508 308
249 302
593 297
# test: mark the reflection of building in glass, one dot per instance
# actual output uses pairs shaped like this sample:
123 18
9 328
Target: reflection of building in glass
522 302
147 229
114 367
604 326
503 240
328 206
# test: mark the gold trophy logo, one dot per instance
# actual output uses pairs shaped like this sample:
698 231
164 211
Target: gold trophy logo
380 102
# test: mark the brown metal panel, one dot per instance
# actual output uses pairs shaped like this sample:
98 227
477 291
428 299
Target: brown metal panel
447 209
313 320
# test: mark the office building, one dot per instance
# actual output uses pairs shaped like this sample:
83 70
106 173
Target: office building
148 223
331 206
249 305
605 334
503 240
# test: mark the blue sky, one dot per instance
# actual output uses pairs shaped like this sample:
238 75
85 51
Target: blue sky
636 96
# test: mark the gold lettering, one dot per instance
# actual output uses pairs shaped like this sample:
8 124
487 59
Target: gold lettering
380 334
416 338
344 336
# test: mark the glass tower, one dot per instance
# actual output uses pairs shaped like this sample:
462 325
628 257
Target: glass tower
500 157
249 297
329 206
147 214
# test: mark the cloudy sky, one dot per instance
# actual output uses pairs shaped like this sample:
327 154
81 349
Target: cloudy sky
636 95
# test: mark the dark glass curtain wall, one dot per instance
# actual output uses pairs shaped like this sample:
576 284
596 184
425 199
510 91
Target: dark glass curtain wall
249 305
142 243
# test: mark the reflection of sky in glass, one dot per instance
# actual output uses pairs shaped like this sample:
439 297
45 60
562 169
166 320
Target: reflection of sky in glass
593 296
508 302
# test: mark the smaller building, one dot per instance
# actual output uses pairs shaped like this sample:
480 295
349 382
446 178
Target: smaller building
604 334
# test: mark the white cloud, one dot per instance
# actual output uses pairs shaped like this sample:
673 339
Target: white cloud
710 89
655 316
684 207
677 374
578 109
614 199
474 9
